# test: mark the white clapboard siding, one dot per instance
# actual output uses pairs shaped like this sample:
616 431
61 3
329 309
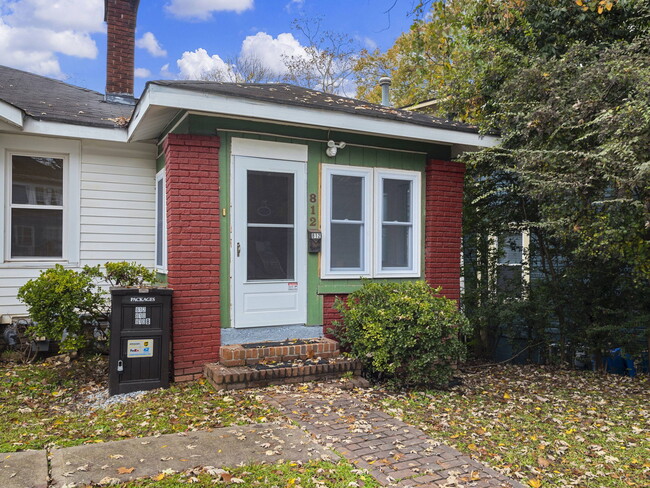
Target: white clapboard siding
117 214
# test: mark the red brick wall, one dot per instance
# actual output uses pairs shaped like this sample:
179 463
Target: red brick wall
120 15
443 228
330 314
193 250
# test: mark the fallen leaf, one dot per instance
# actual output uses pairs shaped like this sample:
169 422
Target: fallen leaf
123 470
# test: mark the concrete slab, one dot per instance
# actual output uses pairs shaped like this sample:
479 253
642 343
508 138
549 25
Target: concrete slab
26 469
136 458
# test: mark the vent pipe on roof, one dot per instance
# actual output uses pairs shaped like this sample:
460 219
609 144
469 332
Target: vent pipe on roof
384 82
120 17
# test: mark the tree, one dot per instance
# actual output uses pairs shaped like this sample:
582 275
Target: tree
566 84
244 69
328 59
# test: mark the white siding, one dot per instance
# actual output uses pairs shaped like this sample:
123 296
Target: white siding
116 215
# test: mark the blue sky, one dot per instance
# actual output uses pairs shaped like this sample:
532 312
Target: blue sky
66 39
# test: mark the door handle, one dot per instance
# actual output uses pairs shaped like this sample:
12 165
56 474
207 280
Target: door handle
238 249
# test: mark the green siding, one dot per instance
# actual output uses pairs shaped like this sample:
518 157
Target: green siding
394 157
160 163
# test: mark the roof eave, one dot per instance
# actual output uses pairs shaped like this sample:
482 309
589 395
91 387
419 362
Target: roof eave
149 118
11 115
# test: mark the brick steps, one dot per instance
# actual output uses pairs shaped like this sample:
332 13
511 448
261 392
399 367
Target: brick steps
251 354
239 377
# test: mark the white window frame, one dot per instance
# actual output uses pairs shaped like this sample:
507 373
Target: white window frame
161 198
366 174
373 212
415 246
69 151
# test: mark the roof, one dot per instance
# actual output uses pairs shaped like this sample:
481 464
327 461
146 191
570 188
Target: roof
53 100
285 94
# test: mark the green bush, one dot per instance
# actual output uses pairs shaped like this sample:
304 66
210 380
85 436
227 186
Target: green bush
60 301
63 303
403 331
124 273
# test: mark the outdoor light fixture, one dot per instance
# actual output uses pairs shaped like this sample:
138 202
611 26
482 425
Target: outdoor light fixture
333 147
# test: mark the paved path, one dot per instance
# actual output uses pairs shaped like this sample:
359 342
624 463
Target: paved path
395 453
122 461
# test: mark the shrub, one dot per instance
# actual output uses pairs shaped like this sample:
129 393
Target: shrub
403 331
128 274
60 301
65 304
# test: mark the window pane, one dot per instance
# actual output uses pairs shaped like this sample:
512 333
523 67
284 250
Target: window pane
511 249
270 197
346 246
395 245
509 280
396 200
160 200
36 233
347 197
37 181
270 253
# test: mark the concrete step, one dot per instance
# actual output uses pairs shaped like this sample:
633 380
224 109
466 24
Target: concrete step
274 352
299 371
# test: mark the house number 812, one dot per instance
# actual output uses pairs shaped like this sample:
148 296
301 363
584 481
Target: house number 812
313 221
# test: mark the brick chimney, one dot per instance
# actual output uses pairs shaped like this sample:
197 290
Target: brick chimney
120 15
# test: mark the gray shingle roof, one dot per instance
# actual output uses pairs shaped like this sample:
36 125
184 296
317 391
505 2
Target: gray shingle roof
52 100
286 94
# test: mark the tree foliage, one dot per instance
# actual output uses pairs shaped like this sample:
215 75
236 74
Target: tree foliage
566 84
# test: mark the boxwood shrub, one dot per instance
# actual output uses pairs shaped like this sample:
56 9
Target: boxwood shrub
404 332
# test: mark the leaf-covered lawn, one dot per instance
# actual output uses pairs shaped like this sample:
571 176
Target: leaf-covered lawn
314 474
49 404
545 427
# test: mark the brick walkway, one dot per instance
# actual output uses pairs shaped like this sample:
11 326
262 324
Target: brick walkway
395 453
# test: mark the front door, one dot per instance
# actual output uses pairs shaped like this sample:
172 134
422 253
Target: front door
269 242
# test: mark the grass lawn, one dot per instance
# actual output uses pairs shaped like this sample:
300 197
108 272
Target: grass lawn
50 404
315 474
542 426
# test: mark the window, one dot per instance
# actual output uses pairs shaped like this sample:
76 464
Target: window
36 206
161 223
371 219
511 272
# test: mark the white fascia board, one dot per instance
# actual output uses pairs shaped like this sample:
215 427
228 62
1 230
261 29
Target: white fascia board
11 115
230 106
59 129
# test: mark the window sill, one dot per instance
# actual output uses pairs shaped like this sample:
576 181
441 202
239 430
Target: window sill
48 263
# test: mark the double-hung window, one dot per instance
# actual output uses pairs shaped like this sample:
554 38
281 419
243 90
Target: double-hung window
371 222
161 223
36 205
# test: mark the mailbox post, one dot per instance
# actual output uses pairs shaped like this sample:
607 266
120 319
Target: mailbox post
139 353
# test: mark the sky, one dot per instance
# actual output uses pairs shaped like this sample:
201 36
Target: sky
180 39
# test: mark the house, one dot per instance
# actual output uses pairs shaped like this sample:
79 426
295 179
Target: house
258 204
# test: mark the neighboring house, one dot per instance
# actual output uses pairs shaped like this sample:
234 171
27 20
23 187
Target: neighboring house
225 190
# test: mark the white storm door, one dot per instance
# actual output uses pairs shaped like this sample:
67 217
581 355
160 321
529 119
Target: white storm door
269 242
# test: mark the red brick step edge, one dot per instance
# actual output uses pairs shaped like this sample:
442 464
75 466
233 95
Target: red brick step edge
239 377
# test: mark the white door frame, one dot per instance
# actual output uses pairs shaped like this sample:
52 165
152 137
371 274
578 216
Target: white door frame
290 296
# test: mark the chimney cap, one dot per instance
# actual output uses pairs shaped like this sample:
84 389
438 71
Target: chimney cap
384 80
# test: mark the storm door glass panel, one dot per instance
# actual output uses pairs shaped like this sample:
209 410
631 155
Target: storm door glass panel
347 223
397 224
36 207
270 226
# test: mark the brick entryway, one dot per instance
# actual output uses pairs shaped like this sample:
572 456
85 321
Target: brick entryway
395 453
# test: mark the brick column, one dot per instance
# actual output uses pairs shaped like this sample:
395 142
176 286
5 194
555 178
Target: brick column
193 250
443 227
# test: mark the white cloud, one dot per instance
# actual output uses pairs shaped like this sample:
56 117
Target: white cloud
166 74
203 9
34 32
271 52
194 65
149 42
141 73
294 4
